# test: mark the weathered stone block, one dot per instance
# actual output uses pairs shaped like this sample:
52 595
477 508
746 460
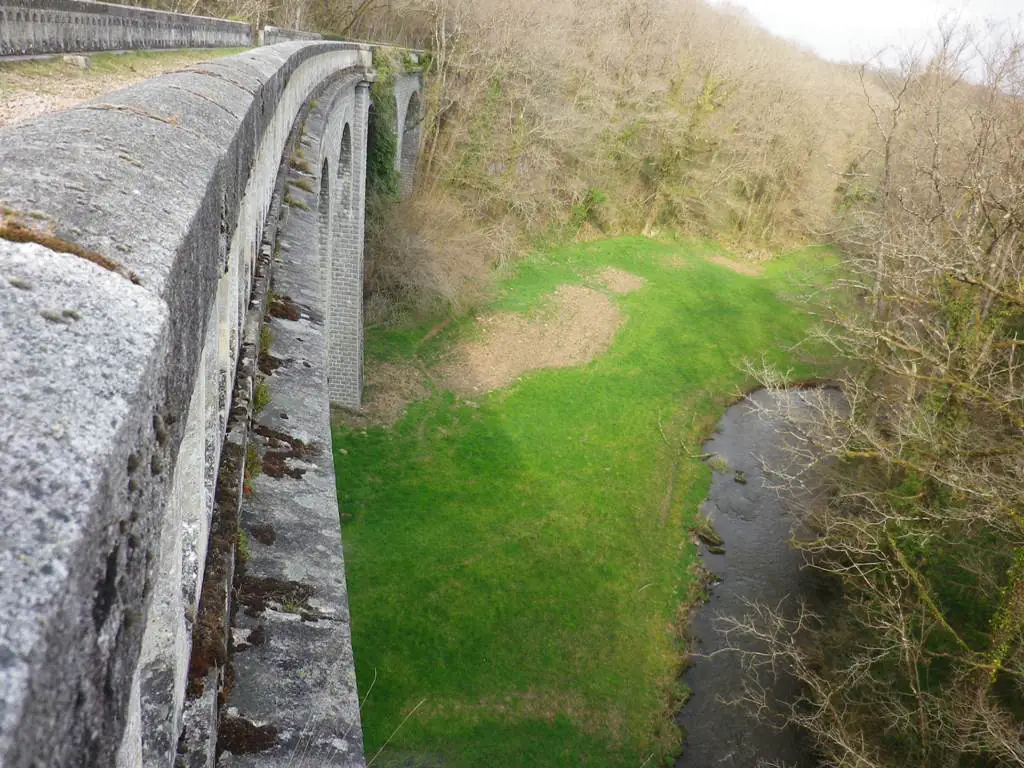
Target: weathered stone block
84 461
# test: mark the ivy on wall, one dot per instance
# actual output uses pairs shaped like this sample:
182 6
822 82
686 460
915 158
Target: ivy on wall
382 140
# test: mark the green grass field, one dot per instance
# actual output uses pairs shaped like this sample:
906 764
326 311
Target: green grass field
517 565
106 63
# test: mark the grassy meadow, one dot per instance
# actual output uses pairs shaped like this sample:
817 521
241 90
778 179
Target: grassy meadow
519 562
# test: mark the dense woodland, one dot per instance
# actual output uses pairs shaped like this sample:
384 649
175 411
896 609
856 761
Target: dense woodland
560 119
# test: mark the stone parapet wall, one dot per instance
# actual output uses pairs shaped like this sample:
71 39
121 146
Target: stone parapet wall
130 233
39 27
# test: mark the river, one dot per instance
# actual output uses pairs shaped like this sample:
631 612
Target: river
758 564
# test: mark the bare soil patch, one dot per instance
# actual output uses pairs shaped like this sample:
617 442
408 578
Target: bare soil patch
677 262
579 325
390 387
620 281
747 268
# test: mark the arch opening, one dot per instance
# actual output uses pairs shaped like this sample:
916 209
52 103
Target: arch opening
381 142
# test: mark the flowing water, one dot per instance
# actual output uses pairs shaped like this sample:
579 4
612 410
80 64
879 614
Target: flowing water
758 565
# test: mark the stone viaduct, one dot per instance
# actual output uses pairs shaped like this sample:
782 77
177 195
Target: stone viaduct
180 302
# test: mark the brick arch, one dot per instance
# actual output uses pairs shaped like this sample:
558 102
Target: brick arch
341 118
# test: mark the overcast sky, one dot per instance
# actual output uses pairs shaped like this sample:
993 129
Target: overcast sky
854 30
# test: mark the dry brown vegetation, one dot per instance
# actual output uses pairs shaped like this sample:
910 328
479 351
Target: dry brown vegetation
638 115
563 119
426 256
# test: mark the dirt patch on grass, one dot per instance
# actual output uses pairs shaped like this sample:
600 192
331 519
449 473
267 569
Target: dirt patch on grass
676 262
390 387
743 267
579 325
536 705
620 281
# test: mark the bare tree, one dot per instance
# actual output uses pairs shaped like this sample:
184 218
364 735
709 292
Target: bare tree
921 662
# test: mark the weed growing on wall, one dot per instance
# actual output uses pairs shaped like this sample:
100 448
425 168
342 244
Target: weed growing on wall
244 546
260 396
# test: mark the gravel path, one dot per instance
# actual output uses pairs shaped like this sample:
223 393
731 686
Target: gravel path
29 88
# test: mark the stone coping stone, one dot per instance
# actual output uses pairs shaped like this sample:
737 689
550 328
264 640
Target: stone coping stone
271 35
82 468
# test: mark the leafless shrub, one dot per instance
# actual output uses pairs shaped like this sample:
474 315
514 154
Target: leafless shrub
573 118
423 255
